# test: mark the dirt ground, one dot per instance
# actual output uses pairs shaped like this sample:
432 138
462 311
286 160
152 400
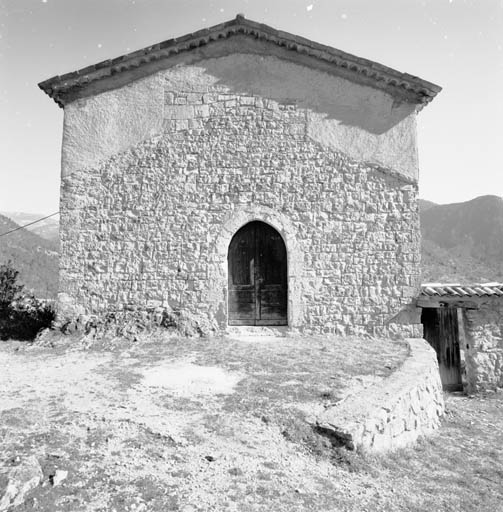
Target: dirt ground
222 425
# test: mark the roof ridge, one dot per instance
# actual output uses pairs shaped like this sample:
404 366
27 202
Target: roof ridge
419 91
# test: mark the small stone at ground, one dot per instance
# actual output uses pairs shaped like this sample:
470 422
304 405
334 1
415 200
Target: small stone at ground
59 476
56 454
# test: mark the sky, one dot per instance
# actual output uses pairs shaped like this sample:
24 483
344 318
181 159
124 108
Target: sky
457 44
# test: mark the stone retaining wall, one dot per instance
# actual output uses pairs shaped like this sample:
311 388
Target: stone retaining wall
393 413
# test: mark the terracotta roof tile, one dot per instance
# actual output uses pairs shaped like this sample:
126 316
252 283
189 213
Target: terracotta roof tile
457 290
66 88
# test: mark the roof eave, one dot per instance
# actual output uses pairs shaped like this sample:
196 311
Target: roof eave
62 88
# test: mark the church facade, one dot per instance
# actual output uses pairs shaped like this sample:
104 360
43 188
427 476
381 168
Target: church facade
246 175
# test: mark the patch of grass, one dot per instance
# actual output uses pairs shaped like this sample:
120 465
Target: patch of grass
461 465
305 369
280 377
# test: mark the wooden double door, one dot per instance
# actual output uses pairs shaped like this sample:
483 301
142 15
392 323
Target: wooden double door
258 288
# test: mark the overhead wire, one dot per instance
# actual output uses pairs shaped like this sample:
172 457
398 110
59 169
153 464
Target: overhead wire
29 224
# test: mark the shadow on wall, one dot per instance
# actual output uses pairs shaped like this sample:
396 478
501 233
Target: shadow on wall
328 95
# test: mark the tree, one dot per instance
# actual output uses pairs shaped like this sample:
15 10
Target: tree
22 316
9 289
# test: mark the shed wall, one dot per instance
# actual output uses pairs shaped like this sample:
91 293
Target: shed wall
483 345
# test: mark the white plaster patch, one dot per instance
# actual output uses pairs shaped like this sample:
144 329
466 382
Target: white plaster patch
187 379
395 148
365 123
101 126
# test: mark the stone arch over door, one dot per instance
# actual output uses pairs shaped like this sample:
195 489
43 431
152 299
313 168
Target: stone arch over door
217 292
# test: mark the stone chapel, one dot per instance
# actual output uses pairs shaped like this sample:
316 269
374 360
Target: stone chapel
246 175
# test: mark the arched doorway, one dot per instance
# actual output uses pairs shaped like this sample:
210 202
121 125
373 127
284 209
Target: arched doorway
258 289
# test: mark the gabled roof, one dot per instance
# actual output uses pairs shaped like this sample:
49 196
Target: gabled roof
66 88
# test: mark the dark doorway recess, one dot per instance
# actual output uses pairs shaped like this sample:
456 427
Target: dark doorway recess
441 331
257 276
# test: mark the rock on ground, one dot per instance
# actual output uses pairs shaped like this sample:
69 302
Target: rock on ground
21 480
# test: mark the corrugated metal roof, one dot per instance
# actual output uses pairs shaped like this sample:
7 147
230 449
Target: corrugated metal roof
461 291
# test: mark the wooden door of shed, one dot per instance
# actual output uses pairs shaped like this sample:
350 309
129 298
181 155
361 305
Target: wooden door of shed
257 263
441 331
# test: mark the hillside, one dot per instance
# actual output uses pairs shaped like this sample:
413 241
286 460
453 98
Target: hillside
35 258
425 205
463 242
47 228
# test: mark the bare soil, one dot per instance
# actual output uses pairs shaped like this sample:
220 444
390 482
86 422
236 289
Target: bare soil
222 424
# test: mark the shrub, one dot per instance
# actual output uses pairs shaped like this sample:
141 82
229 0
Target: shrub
22 316
9 289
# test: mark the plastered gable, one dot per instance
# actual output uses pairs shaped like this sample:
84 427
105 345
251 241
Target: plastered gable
365 123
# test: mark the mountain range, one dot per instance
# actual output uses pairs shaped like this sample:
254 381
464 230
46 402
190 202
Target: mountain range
35 258
47 228
461 243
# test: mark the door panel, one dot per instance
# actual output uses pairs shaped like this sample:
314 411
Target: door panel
272 302
242 304
242 296
257 276
272 277
442 333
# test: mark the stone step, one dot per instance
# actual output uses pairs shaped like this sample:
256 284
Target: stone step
252 331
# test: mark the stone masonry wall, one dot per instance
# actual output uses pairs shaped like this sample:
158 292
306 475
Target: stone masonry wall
393 413
483 345
150 225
